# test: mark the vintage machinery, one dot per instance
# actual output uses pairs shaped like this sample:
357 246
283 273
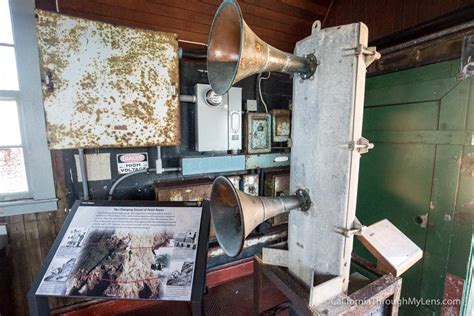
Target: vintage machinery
218 119
235 52
235 213
328 98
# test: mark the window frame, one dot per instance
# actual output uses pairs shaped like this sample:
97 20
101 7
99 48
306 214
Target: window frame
37 158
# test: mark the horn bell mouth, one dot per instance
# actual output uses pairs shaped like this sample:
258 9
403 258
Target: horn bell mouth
227 217
224 46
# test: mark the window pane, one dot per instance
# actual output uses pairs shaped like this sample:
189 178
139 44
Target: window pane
9 124
12 171
6 36
8 74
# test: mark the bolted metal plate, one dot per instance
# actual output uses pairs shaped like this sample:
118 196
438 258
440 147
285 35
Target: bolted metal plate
267 160
107 86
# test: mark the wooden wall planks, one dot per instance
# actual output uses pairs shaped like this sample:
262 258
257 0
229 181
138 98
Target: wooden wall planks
30 238
280 23
388 16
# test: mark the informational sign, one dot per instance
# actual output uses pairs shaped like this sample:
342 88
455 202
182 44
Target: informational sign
127 163
126 252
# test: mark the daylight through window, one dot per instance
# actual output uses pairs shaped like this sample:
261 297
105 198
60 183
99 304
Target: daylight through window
13 179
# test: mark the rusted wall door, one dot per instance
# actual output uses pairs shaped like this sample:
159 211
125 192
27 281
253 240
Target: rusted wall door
107 86
417 176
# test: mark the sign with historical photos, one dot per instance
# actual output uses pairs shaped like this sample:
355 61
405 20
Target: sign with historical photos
126 252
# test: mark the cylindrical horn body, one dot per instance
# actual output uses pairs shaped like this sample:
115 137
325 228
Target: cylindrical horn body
235 52
235 214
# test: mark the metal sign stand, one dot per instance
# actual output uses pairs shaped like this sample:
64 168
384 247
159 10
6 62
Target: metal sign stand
38 304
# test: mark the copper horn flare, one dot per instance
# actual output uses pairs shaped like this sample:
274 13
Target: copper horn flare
235 214
234 52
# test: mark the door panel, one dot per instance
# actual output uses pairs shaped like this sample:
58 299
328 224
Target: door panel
421 121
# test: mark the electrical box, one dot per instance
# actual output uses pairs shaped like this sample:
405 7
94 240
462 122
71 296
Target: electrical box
251 105
281 123
218 119
258 133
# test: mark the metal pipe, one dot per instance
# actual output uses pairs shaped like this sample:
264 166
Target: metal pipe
122 178
187 98
158 162
128 175
191 54
83 166
172 169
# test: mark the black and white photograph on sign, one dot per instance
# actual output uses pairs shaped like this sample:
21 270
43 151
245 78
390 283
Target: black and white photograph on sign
127 163
75 237
126 252
183 276
61 272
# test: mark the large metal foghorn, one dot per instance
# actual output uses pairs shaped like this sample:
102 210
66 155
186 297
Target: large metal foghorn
234 52
235 214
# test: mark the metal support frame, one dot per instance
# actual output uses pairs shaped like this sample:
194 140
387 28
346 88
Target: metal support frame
385 289
327 144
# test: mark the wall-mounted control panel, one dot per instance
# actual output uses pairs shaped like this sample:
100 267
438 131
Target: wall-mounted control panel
218 119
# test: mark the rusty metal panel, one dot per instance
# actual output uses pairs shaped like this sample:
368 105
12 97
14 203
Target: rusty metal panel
187 191
235 181
106 85
281 125
277 184
183 192
258 133
250 184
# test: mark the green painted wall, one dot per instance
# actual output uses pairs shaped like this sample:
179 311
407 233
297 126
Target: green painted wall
420 175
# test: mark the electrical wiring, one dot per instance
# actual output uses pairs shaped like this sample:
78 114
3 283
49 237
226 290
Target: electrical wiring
259 80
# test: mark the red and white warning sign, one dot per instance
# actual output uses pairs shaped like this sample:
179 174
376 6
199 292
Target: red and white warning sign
131 162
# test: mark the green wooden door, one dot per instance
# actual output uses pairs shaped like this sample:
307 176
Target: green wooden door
421 122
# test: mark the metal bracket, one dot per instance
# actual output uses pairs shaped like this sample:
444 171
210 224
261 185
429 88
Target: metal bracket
356 230
362 145
316 27
370 54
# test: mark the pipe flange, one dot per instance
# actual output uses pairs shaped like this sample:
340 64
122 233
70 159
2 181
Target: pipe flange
312 65
305 199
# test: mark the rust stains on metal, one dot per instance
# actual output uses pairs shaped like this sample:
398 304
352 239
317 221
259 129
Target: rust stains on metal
107 86
467 164
464 217
250 184
453 290
281 125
